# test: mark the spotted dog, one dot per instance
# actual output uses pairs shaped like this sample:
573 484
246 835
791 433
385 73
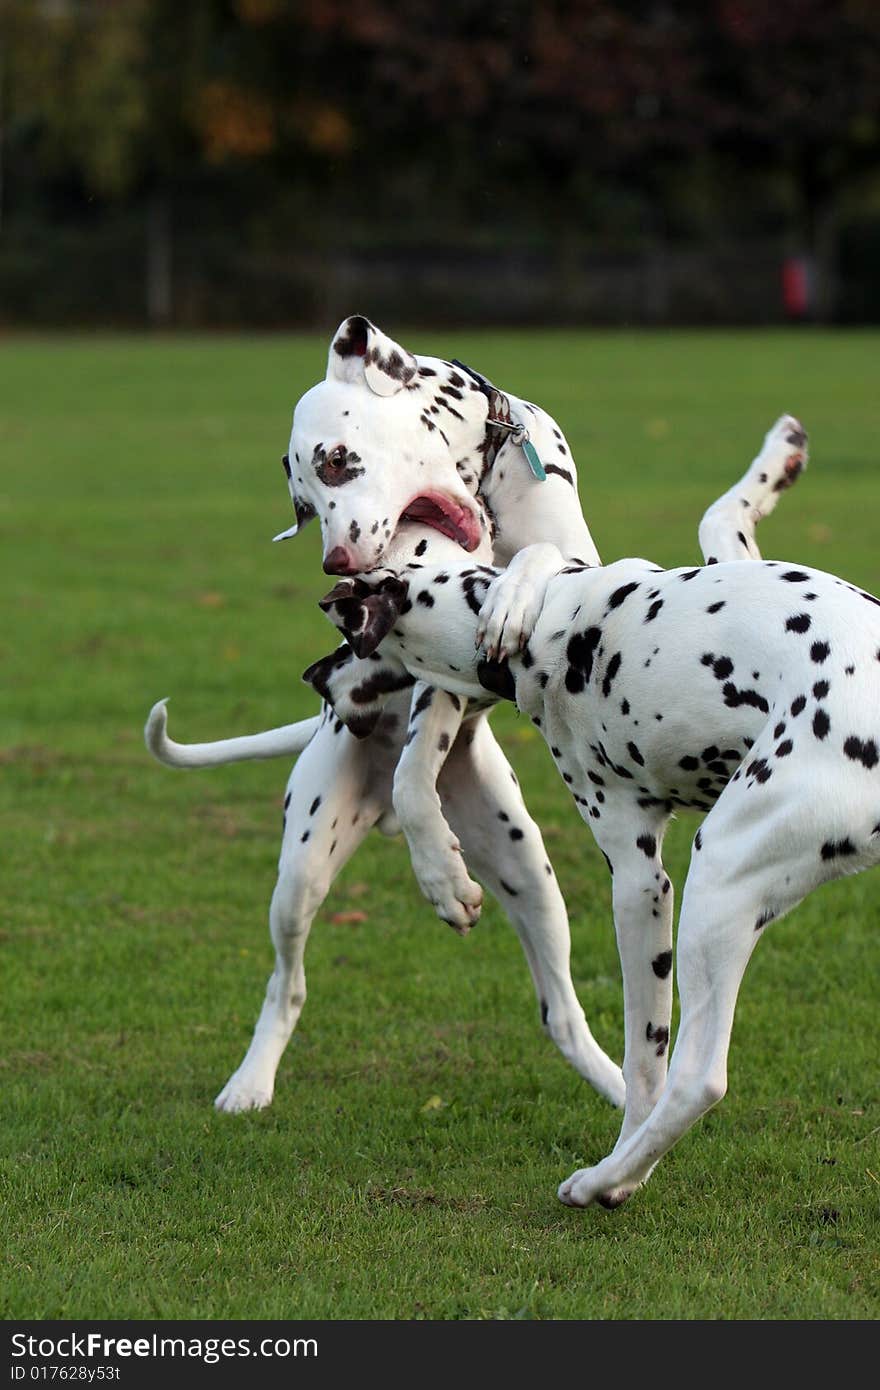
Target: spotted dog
388 440
386 443
747 692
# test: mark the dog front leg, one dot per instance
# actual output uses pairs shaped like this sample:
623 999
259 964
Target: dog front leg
482 799
727 530
514 599
435 852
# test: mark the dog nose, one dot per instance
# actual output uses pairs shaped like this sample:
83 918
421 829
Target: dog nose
339 561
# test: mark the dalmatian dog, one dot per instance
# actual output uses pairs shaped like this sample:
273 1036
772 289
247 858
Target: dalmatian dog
747 692
389 445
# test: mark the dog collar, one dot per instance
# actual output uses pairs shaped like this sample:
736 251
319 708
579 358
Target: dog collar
502 425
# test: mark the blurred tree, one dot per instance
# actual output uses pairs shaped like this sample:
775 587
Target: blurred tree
263 125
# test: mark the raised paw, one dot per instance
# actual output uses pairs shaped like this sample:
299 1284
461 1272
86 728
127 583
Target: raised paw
783 457
513 601
445 882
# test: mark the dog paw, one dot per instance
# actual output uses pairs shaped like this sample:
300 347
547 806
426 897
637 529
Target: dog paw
783 457
586 1186
514 599
445 882
241 1093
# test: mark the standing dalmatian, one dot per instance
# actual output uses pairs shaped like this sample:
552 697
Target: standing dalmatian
389 440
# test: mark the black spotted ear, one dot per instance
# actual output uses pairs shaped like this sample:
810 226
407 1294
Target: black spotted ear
380 612
342 591
303 511
319 675
360 348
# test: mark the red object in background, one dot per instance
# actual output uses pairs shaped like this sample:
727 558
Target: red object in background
796 287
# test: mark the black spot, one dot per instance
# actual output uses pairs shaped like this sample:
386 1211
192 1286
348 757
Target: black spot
620 594
794 576
563 472
653 610
800 622
690 575
722 668
496 677
733 698
507 888
662 964
689 764
835 849
580 652
658 1035
635 754
865 753
610 672
765 917
798 706
545 1012
423 702
819 652
821 723
698 840
421 547
443 742
314 806
516 833
821 689
304 837
648 845
425 598
785 748
715 607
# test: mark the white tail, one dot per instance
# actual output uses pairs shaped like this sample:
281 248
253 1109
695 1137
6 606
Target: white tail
286 741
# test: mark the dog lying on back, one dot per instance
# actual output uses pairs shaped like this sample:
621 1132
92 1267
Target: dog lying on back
747 692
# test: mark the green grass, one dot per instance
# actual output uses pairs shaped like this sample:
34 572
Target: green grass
139 487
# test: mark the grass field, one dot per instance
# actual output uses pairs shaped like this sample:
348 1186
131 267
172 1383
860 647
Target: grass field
409 1164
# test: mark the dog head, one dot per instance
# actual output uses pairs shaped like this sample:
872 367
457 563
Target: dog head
386 437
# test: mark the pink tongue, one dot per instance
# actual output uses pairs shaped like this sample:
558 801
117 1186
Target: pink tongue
446 517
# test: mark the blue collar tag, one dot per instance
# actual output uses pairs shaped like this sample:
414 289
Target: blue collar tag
534 462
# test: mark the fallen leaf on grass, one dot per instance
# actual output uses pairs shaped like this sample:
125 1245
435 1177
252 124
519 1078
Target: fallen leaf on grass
341 918
433 1103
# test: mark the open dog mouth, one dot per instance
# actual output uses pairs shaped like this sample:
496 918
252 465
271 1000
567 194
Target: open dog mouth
446 516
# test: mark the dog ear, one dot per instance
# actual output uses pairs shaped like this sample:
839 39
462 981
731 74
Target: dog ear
358 346
303 511
365 614
380 612
304 514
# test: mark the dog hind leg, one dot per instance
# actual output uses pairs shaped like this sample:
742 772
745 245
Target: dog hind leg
727 530
328 813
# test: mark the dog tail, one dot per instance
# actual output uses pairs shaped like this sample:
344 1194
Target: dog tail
285 741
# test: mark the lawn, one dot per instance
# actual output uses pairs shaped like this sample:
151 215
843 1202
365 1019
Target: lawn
409 1164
